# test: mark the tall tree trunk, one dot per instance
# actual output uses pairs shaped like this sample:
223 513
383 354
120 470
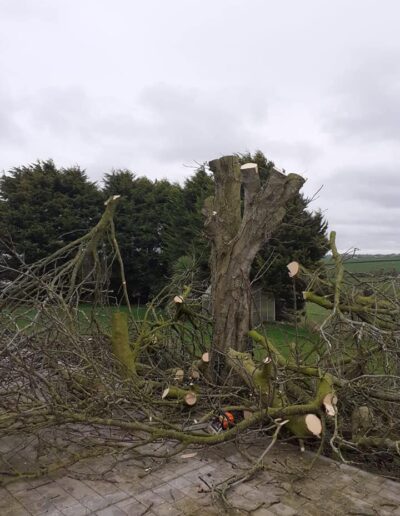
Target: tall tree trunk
236 239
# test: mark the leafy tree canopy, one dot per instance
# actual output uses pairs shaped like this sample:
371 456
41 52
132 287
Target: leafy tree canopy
187 239
157 223
147 215
43 207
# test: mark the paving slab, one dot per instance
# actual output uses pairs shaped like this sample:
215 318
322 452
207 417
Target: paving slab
185 487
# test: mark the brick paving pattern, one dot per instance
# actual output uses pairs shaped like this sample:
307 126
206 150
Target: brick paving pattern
108 486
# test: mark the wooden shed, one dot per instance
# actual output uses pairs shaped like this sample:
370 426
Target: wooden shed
263 305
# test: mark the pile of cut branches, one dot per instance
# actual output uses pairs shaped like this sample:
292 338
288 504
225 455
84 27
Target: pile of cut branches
82 375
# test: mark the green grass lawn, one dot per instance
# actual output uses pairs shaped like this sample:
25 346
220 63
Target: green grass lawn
315 313
103 313
283 335
287 338
25 316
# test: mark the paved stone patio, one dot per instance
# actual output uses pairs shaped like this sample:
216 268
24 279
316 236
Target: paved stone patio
109 486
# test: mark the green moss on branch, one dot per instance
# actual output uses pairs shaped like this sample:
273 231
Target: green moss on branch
120 343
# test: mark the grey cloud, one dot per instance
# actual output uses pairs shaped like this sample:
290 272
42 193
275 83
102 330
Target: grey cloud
364 225
304 153
154 85
367 101
173 124
61 111
11 128
195 123
376 185
383 239
26 9
69 112
363 205
367 217
10 132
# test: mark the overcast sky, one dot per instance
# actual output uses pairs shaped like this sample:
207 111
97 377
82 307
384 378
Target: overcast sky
158 85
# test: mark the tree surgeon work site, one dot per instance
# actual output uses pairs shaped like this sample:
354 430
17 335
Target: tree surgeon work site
83 374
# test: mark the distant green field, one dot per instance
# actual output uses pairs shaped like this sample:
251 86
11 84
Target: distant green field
371 265
376 268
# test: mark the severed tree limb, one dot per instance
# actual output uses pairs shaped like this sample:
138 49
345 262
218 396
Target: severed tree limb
186 396
176 374
120 343
360 309
380 443
259 378
379 312
339 271
200 366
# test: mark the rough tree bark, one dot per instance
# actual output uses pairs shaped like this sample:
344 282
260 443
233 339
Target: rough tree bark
236 238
